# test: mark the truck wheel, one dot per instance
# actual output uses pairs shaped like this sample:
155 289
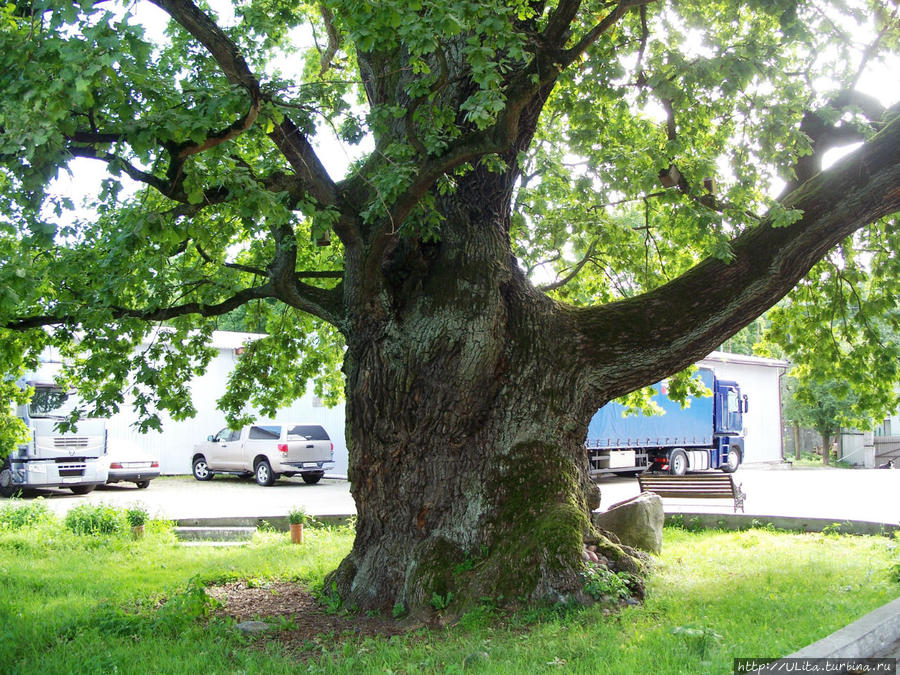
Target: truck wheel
200 469
264 475
678 463
7 488
142 484
313 477
82 489
734 460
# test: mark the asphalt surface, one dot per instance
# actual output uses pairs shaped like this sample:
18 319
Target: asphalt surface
841 494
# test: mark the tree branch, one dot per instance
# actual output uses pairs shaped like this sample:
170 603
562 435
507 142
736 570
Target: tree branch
334 39
303 159
157 314
133 172
576 270
217 43
569 55
660 332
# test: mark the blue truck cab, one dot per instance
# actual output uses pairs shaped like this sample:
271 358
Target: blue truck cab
707 434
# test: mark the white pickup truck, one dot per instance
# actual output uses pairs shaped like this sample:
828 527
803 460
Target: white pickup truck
266 451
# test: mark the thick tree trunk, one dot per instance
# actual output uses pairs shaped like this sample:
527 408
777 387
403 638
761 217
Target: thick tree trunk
466 415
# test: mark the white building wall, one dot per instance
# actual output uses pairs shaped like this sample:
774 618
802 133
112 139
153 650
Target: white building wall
174 445
758 378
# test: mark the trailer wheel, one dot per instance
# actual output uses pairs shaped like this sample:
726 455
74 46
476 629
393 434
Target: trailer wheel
7 488
82 489
678 463
734 460
264 475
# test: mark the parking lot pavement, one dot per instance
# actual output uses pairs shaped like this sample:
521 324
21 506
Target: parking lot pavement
841 494
176 497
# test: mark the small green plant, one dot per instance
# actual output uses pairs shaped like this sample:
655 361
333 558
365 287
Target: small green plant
600 581
16 514
440 602
94 519
331 599
700 640
287 623
894 572
399 610
676 521
298 516
136 515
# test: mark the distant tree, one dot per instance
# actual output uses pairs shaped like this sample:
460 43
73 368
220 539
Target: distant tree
846 351
823 406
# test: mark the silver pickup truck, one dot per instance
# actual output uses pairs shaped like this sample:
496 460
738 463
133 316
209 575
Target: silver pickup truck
266 451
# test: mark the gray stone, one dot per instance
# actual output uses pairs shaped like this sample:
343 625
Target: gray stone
637 522
253 627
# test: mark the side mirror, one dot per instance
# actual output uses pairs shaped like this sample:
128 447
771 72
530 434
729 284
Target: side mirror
746 404
210 438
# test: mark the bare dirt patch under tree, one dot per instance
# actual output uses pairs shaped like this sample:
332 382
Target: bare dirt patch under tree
299 620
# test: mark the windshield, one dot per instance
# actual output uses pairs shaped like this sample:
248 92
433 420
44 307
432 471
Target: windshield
55 403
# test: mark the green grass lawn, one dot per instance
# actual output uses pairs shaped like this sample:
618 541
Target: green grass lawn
107 603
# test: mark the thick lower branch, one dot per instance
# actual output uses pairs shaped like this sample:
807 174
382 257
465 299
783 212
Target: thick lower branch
650 336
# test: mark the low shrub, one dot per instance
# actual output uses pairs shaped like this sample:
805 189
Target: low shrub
16 514
95 519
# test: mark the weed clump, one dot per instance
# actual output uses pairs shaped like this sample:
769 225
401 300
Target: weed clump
16 514
95 519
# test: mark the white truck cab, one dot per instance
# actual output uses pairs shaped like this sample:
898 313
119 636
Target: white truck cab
52 458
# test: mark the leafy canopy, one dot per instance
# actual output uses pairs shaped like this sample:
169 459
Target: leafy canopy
665 127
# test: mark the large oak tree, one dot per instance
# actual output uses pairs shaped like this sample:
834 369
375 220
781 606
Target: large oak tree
631 147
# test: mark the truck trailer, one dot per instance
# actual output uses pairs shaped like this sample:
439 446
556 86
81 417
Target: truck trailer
708 434
73 459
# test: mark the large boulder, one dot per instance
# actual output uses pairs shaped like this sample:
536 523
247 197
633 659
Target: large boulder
637 522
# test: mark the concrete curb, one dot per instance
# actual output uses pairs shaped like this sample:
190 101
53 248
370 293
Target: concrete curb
740 521
861 639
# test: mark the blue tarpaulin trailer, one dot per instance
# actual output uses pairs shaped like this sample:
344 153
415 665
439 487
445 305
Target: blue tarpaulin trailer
707 434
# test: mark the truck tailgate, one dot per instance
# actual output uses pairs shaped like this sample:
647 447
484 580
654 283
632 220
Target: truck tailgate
307 451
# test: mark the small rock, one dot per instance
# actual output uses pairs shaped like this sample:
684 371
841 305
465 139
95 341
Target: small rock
254 627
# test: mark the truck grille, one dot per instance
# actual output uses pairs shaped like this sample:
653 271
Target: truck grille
66 470
70 442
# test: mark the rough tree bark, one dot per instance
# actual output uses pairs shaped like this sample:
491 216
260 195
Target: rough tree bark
466 408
